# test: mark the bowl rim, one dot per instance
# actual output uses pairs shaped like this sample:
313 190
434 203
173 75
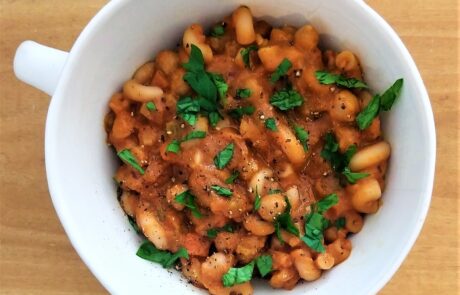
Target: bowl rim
103 15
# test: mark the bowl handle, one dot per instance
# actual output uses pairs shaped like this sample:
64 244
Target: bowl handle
39 65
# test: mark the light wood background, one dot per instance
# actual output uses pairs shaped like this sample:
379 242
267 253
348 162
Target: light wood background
35 254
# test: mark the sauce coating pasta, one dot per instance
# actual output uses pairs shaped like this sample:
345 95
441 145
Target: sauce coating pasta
248 152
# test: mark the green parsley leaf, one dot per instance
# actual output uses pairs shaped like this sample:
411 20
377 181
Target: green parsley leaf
302 135
257 201
173 146
264 264
389 96
340 222
352 177
326 203
188 200
281 70
201 84
222 191
384 102
212 233
221 85
151 106
228 228
217 31
127 157
274 191
194 135
188 109
236 276
284 221
367 115
232 177
214 118
349 153
196 60
270 124
181 253
205 105
331 152
329 78
315 224
224 156
243 93
134 225
149 252
286 99
245 54
197 77
239 112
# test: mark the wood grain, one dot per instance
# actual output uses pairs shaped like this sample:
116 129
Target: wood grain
35 254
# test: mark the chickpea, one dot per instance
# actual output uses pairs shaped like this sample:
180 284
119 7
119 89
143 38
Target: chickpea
271 206
344 107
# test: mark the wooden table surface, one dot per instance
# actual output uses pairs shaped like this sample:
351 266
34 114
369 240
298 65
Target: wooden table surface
35 254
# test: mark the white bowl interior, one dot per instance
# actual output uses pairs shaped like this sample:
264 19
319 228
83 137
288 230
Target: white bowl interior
127 33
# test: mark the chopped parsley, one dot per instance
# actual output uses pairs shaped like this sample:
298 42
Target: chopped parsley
264 264
221 85
340 222
194 135
281 70
222 191
352 177
212 232
389 96
332 154
315 223
379 102
149 252
367 115
324 77
302 135
239 112
232 177
127 157
235 276
270 124
151 106
208 86
188 200
246 54
197 77
284 221
286 99
243 93
224 156
218 31
214 118
173 146
188 109
273 191
339 162
326 203
134 225
257 201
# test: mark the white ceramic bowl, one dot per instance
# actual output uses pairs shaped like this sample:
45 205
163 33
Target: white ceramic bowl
122 36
